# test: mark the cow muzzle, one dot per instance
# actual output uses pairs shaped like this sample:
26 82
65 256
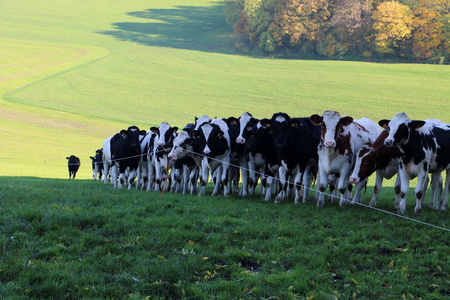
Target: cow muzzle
354 180
240 141
389 142
330 144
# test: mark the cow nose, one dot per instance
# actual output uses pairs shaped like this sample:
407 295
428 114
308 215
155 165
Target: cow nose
240 141
330 144
353 180
389 142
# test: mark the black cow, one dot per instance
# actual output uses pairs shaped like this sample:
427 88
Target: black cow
73 164
97 164
126 153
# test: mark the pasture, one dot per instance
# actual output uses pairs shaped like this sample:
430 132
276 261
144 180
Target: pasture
83 240
73 73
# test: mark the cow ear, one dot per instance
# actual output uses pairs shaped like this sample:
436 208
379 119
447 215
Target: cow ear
384 123
175 129
91 157
316 119
266 123
142 132
123 132
293 123
194 133
416 124
67 157
345 121
233 120
220 134
253 122
154 129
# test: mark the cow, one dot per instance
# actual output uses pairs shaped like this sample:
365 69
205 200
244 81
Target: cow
263 158
247 125
215 136
341 139
109 166
163 145
146 170
97 164
185 156
73 164
376 157
126 153
425 148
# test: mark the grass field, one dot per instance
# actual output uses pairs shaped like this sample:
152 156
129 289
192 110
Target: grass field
81 239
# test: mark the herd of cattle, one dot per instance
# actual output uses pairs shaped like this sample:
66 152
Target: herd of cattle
286 155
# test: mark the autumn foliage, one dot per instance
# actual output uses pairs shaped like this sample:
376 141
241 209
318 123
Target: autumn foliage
409 29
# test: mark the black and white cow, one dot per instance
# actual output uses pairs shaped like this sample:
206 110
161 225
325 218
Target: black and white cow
126 153
425 148
97 164
216 153
341 139
247 125
146 170
73 164
264 161
163 145
185 156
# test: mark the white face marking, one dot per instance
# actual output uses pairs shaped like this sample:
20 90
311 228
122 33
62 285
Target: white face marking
243 121
330 119
201 120
162 133
280 119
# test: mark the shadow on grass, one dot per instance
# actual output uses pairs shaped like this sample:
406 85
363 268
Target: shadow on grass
183 27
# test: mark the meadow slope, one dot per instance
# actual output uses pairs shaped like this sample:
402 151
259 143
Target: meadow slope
74 73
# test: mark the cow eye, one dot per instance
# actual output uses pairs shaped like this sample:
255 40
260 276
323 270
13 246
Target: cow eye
249 128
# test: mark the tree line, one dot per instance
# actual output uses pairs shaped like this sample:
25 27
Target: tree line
413 30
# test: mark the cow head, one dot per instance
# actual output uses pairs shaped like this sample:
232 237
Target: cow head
132 135
246 126
280 124
365 164
183 145
166 136
400 129
261 138
216 143
332 126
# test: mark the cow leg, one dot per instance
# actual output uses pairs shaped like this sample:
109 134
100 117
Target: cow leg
105 171
244 174
397 192
114 171
269 187
131 178
444 205
436 191
298 186
204 177
217 180
322 184
283 182
376 188
151 171
358 190
404 187
225 171
422 180
343 187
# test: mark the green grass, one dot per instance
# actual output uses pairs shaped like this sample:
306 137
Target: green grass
75 72
61 239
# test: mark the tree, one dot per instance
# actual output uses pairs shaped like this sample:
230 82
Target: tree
296 21
351 22
428 35
393 24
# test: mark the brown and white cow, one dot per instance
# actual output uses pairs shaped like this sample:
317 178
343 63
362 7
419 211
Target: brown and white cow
376 157
341 139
